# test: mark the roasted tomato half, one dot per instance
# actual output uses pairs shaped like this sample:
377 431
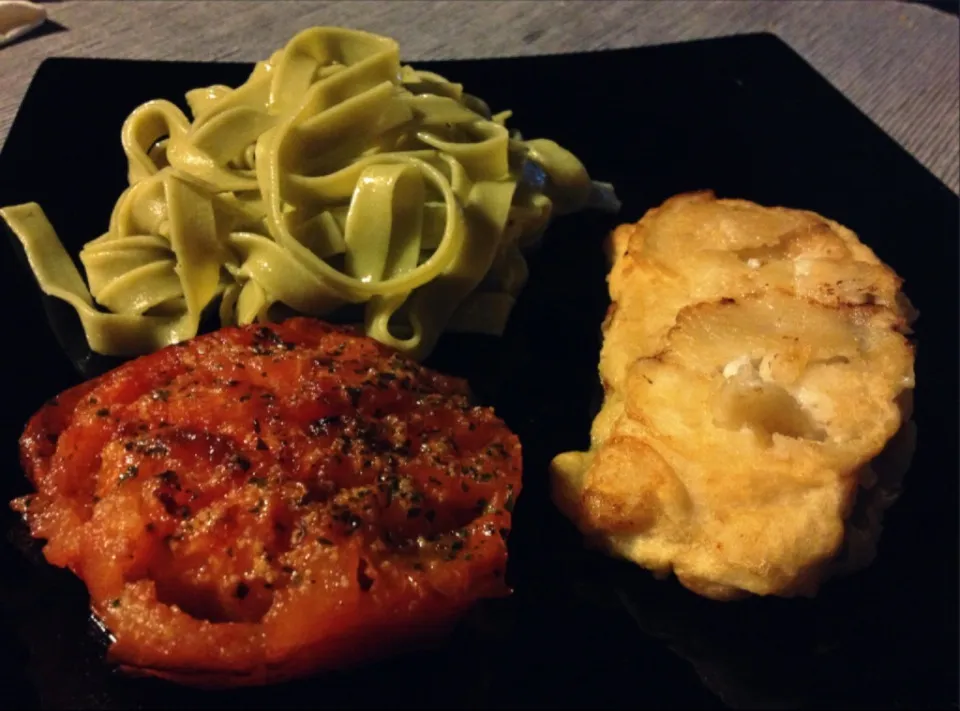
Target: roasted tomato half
264 502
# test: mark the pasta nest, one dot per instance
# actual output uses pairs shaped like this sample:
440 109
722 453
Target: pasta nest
334 176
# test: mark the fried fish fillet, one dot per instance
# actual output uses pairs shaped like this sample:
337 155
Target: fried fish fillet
758 387
263 502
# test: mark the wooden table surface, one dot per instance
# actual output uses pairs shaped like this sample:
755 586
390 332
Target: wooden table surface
897 61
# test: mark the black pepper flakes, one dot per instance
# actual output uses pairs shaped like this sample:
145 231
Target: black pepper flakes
321 426
103 412
363 579
129 473
349 519
161 394
242 590
169 477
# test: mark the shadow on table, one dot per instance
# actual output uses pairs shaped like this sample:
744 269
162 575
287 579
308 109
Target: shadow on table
47 28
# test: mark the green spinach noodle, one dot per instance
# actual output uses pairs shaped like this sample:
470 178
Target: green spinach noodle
333 176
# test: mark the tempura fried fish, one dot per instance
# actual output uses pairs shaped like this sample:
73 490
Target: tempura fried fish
758 386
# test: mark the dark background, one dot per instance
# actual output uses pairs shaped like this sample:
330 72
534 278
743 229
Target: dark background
949 6
744 116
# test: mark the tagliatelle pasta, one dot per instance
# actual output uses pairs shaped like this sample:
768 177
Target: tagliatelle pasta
333 176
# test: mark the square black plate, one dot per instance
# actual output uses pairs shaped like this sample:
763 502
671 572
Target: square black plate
742 115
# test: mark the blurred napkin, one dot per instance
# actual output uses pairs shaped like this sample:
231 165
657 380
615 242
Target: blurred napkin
17 18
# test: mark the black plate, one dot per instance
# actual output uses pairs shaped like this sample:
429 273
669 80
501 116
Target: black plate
744 116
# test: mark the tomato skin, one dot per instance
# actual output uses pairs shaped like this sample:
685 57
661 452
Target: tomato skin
264 502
